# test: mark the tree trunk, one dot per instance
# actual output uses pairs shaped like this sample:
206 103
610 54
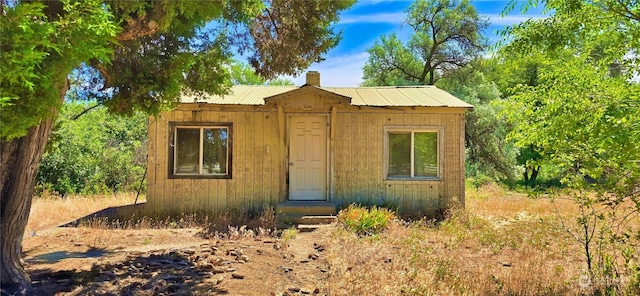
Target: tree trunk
19 160
534 174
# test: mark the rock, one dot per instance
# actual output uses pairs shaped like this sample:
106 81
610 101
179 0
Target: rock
230 269
314 256
189 251
219 280
294 289
260 252
174 288
217 271
304 261
63 281
323 270
305 291
506 264
244 258
286 269
237 276
316 291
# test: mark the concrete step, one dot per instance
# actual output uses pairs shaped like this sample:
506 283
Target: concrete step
306 208
285 220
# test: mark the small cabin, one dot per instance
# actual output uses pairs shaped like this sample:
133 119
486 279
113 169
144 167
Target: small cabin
273 146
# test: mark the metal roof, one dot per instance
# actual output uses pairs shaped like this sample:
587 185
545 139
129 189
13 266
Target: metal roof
427 96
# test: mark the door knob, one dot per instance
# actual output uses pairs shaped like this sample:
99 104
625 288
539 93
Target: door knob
291 164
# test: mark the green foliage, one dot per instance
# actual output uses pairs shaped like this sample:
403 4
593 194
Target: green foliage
95 153
244 74
149 53
487 152
304 33
582 115
446 36
364 221
289 234
582 128
39 50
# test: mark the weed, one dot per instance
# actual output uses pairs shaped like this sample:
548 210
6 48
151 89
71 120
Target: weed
365 221
289 234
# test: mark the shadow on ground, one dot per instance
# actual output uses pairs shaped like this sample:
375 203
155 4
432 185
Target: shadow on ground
127 211
55 257
158 272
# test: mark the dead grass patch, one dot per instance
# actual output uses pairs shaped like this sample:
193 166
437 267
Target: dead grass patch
50 210
503 243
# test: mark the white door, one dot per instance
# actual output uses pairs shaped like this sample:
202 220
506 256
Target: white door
308 158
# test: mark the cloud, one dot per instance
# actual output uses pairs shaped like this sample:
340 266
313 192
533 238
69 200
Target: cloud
389 18
498 20
336 71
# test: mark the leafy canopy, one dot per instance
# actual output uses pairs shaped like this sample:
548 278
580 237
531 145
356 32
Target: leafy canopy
583 111
446 36
39 50
145 54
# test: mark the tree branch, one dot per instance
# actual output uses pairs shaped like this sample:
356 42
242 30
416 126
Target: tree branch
85 111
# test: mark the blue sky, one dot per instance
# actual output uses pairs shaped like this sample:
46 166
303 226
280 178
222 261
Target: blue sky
367 20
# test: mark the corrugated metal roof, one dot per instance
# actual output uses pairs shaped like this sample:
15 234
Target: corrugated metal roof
427 96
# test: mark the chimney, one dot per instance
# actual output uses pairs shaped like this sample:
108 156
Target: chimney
313 78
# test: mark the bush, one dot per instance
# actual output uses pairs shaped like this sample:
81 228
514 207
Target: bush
94 153
364 221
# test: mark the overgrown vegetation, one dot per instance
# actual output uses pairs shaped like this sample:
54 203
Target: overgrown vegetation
503 243
365 221
94 153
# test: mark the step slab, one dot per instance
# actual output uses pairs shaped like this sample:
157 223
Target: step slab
306 208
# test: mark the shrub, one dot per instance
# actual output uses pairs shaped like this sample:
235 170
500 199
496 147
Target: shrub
365 221
94 153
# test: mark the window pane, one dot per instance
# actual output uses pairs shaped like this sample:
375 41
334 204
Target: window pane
425 154
187 150
214 157
399 155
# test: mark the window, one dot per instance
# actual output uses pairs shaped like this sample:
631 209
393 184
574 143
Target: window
412 154
201 151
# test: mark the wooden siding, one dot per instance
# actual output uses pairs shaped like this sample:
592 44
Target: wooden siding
355 159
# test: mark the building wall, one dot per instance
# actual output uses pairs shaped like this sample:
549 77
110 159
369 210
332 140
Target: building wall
259 156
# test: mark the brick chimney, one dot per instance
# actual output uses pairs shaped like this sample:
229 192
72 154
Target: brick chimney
313 78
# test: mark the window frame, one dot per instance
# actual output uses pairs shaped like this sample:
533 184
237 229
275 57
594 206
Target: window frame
439 130
173 131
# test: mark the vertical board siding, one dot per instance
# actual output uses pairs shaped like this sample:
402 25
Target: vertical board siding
259 164
360 157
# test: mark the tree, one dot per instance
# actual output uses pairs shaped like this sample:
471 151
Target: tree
507 74
584 113
446 36
84 158
146 54
487 151
244 74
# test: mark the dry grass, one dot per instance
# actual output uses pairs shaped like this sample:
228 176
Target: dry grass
50 210
503 244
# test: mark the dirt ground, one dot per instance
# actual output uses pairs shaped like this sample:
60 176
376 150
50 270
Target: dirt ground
89 261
